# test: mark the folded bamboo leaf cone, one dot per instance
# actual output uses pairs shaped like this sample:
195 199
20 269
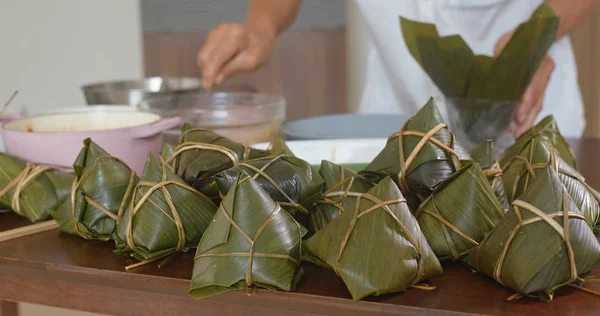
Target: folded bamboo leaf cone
251 242
459 213
165 216
377 247
541 244
99 195
31 190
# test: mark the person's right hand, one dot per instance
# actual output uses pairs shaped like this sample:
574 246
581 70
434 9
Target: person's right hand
233 48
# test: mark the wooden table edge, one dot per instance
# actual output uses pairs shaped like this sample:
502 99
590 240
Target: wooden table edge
30 271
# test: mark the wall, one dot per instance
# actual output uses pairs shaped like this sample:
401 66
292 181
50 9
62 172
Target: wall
51 47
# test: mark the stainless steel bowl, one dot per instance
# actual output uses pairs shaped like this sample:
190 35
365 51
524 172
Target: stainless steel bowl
133 92
244 117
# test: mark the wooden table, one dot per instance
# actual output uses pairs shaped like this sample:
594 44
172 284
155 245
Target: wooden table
56 269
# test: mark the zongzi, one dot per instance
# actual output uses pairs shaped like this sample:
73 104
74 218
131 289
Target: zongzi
549 129
290 181
420 156
202 153
164 216
484 155
342 188
454 226
541 244
377 247
251 242
30 190
100 193
524 169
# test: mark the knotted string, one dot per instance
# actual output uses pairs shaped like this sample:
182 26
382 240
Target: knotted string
383 205
540 216
21 182
251 254
262 173
76 186
405 164
174 216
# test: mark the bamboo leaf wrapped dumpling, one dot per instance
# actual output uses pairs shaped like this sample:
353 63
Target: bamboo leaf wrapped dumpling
454 226
288 180
541 244
202 153
377 247
31 190
421 155
342 187
251 242
548 127
165 216
483 154
523 170
99 194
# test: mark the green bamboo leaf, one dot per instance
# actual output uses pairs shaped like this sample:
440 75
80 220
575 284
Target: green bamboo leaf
484 155
454 226
202 153
288 180
342 188
251 242
99 195
165 215
167 152
431 165
279 147
30 190
533 249
377 247
548 128
524 170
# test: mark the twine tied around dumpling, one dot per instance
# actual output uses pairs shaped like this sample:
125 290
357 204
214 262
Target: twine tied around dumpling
425 138
384 205
176 218
20 183
77 183
251 254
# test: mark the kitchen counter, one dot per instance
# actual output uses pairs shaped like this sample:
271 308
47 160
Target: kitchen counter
55 269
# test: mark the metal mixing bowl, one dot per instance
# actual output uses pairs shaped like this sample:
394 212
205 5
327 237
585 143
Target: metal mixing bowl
132 92
476 120
245 117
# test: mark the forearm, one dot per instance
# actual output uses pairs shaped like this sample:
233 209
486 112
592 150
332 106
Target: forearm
571 13
272 16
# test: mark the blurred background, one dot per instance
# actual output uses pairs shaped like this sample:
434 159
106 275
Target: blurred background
51 48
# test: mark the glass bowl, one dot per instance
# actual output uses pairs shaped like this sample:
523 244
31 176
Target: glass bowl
476 120
245 117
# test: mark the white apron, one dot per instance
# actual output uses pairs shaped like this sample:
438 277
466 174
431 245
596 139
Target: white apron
396 83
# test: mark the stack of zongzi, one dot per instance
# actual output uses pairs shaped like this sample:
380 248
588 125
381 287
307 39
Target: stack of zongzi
483 154
342 188
541 244
377 247
459 213
251 242
290 181
30 190
524 169
420 156
202 153
165 215
99 195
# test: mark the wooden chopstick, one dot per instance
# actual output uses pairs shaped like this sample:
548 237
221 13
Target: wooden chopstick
8 101
28 230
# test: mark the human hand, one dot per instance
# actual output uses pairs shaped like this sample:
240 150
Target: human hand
233 48
533 98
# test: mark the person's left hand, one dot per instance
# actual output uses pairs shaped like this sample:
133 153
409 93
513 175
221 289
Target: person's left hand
533 98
